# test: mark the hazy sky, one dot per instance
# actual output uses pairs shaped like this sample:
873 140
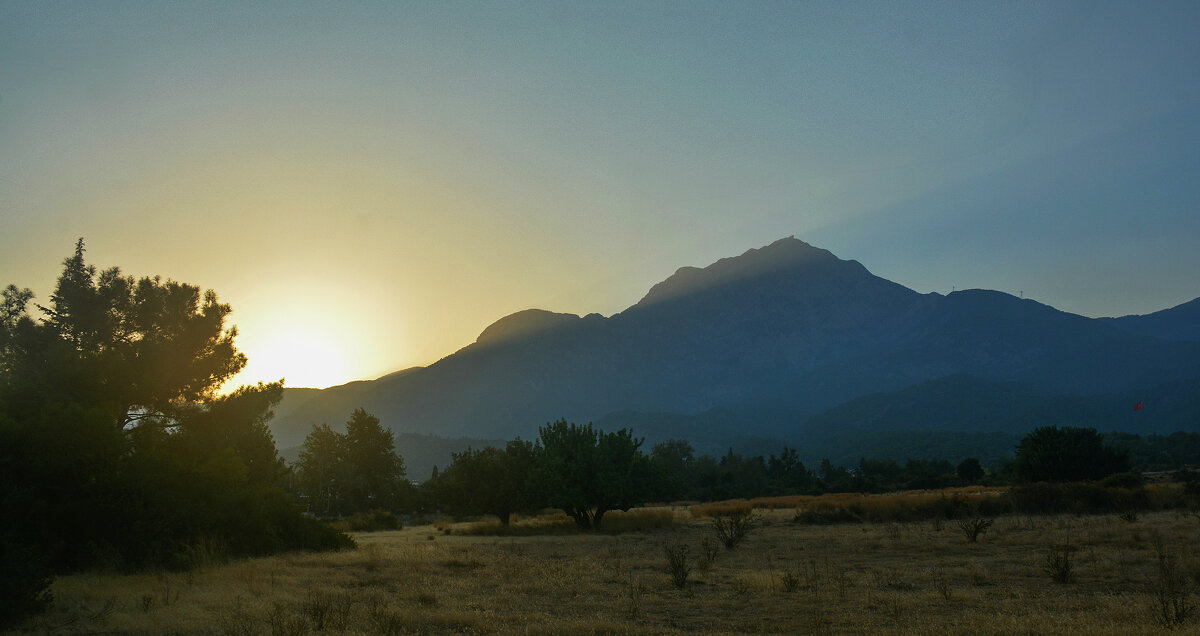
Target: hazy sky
370 184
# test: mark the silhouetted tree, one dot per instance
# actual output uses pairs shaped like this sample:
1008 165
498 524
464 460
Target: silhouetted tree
969 470
673 462
319 469
490 481
588 472
113 439
374 473
788 473
1051 453
351 472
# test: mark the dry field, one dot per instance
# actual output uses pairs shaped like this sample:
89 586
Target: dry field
786 578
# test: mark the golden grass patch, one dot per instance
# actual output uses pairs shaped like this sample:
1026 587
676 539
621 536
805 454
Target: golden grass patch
786 578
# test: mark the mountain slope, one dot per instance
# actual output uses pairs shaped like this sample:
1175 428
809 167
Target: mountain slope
773 336
1181 322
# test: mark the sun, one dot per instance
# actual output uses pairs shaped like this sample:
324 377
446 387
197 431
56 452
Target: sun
303 357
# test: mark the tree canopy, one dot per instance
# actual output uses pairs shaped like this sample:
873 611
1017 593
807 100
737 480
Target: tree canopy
1051 453
351 472
491 481
114 441
587 472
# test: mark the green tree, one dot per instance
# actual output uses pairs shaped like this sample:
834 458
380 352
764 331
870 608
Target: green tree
490 481
674 467
374 473
351 472
587 473
319 468
1051 453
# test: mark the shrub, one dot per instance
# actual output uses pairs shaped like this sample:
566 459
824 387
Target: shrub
1128 481
373 520
1060 562
678 563
732 529
708 553
1170 589
974 527
790 580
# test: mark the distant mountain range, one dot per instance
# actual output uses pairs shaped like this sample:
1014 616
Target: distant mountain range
790 344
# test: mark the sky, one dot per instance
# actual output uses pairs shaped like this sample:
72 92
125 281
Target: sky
371 184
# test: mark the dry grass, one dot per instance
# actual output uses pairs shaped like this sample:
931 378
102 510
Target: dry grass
614 522
897 578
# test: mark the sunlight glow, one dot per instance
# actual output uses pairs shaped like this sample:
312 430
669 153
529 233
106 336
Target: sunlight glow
303 357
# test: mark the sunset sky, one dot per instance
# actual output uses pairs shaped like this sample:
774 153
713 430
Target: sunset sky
370 184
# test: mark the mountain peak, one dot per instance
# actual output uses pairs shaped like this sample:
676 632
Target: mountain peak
521 324
786 253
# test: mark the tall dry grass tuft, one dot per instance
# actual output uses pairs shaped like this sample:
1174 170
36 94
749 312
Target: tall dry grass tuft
1171 590
722 508
1060 562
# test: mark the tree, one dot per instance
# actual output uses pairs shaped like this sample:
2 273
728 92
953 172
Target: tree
674 463
1051 453
969 470
114 439
351 472
788 472
139 349
490 481
587 473
318 469
373 470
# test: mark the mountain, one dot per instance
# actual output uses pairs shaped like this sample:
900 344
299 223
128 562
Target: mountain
1181 322
752 347
964 403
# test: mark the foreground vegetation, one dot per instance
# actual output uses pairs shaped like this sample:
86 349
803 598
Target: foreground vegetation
1099 574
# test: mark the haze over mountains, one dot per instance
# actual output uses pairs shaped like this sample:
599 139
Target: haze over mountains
788 343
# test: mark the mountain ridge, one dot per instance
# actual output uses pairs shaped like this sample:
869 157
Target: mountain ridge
777 335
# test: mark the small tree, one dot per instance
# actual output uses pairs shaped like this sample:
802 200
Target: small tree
318 470
374 473
588 472
351 472
490 481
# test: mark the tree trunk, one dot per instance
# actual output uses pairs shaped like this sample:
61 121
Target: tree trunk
582 518
597 516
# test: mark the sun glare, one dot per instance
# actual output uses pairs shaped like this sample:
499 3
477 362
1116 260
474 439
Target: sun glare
304 358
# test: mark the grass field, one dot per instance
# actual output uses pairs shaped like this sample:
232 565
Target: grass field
785 578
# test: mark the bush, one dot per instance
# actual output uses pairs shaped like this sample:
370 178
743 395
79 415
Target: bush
1128 481
678 563
732 529
974 527
1060 562
374 520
